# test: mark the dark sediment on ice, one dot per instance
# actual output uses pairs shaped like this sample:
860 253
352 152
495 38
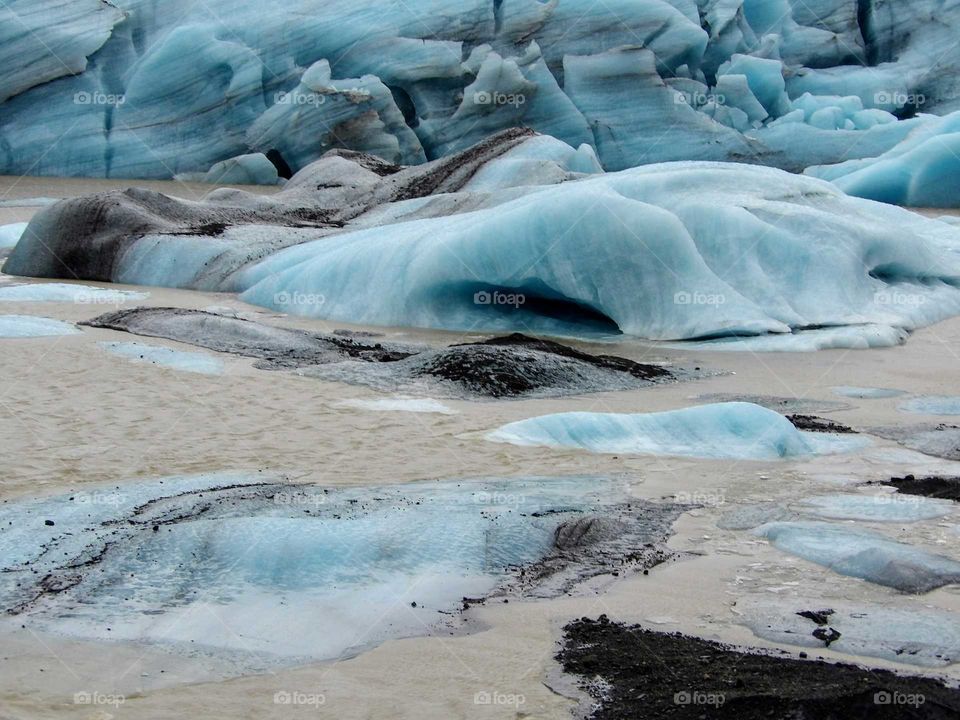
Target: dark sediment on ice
946 488
511 366
634 673
812 423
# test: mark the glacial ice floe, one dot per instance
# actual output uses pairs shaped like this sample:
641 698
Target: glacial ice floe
932 405
262 571
69 293
726 431
10 234
891 508
863 554
676 252
27 326
866 393
195 362
148 91
912 635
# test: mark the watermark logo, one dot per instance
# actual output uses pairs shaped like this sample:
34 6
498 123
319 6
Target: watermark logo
899 99
696 697
899 698
499 499
284 299
294 697
484 697
299 99
697 98
699 298
98 98
98 497
298 499
497 99
496 297
899 299
87 697
710 499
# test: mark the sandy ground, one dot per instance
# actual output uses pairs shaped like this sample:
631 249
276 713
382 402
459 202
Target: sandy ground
72 416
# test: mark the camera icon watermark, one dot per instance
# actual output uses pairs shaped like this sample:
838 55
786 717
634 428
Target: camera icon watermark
697 98
88 697
899 299
98 497
707 499
299 99
899 99
885 697
484 697
98 98
299 499
497 99
699 298
285 299
496 297
696 697
295 697
499 499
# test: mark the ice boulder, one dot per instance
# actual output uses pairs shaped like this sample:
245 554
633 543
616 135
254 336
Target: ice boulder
725 430
862 554
673 251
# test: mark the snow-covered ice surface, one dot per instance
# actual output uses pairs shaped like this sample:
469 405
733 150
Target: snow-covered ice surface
863 554
866 393
682 251
726 430
888 508
69 293
905 634
10 234
932 405
27 326
255 568
195 362
399 404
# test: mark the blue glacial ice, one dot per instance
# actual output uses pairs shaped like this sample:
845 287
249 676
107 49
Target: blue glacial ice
261 570
68 293
911 635
866 393
399 404
892 508
195 362
134 88
10 234
920 171
863 554
493 240
932 405
249 169
724 430
28 326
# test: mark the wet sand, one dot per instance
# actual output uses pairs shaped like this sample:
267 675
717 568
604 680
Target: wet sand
74 416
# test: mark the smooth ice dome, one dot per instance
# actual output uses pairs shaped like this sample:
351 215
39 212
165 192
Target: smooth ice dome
677 252
68 293
877 508
195 362
725 430
863 554
10 234
27 326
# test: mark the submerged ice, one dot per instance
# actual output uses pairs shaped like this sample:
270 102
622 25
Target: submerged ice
261 571
68 293
863 554
725 430
27 326
195 362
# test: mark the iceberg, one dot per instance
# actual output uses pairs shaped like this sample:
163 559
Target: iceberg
726 430
678 251
133 89
194 362
28 326
863 554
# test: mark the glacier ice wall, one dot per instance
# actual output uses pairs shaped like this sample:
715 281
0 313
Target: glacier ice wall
136 88
524 233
